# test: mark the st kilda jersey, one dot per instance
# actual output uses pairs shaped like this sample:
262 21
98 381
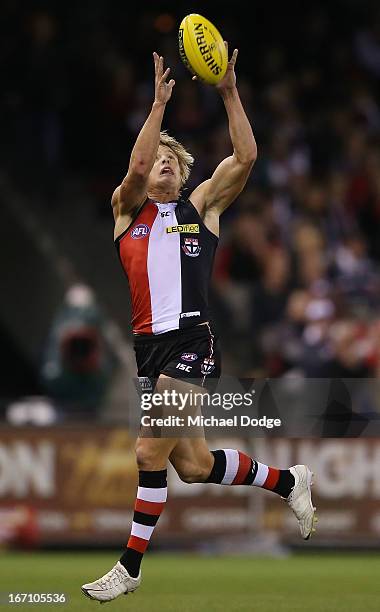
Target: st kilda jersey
167 254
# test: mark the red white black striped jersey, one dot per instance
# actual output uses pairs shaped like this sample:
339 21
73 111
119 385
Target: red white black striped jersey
167 253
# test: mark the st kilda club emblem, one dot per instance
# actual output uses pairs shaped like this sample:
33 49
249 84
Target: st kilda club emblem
207 366
191 247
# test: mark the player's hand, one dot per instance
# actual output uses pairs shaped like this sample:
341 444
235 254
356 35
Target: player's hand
162 89
229 79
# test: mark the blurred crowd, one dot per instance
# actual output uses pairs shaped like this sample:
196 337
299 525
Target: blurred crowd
297 276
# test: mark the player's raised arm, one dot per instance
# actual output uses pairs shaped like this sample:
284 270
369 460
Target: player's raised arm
232 173
132 190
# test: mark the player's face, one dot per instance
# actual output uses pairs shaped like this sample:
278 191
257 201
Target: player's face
166 172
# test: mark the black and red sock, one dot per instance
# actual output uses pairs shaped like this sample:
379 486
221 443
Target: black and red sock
232 467
150 502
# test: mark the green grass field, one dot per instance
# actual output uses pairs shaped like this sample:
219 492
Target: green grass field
190 583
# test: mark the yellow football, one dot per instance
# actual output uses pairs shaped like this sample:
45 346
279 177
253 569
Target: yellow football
202 48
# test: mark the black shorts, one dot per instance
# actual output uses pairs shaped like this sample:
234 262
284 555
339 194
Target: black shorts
191 354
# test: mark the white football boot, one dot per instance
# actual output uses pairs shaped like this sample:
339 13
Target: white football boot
116 582
300 502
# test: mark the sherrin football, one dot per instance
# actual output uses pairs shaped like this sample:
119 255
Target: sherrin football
202 48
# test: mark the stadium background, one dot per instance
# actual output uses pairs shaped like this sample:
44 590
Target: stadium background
295 292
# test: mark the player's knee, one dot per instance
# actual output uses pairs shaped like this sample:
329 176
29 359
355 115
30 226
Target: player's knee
147 456
193 472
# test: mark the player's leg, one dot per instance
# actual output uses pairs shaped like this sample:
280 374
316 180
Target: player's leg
194 462
152 457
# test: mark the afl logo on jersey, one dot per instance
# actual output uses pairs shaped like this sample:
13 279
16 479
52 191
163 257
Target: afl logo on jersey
140 231
191 247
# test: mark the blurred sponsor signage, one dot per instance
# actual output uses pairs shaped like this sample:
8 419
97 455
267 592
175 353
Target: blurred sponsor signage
81 483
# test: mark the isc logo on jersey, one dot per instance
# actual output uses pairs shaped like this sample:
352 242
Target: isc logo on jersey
140 231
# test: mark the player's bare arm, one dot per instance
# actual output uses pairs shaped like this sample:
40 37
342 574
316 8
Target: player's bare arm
214 195
129 196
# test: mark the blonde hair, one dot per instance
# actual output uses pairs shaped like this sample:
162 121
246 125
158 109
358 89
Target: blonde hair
185 159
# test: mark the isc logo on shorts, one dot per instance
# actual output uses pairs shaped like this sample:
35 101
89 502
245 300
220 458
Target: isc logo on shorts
140 231
184 367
